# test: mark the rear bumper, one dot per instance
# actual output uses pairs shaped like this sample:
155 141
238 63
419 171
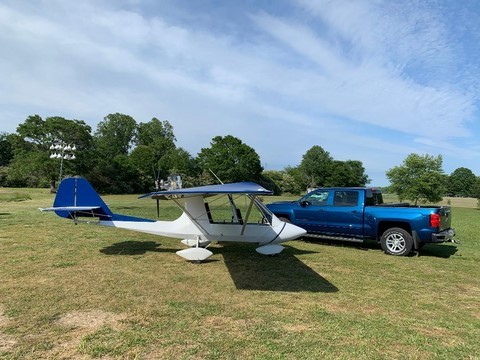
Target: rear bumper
445 235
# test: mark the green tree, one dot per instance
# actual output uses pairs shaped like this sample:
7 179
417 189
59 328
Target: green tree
41 134
295 173
284 182
6 150
476 189
31 150
461 182
115 135
143 159
32 169
178 161
113 171
316 167
34 130
419 178
230 159
347 173
116 176
155 142
158 135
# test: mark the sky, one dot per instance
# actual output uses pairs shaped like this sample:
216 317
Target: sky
372 81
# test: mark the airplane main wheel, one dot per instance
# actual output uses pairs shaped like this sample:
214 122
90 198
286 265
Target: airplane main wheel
396 241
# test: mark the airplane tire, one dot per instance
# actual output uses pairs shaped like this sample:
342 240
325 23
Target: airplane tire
396 241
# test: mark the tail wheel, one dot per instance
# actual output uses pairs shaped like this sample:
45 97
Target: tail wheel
396 241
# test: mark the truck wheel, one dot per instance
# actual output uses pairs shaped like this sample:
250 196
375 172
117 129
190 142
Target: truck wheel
396 241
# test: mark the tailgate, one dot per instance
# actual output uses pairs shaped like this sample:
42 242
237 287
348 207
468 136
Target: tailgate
445 217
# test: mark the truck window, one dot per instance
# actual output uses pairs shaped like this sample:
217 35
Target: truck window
317 198
345 198
378 198
373 197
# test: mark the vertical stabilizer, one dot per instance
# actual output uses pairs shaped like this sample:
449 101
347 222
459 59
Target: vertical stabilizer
76 195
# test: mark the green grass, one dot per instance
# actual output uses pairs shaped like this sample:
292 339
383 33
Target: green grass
83 291
9 195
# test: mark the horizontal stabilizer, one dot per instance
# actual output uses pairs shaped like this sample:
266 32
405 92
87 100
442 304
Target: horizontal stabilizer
70 208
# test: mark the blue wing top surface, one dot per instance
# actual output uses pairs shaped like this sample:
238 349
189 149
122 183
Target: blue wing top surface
249 188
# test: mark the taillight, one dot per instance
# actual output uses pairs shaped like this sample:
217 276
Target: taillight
435 220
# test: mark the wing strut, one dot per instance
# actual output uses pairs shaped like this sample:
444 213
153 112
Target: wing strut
252 200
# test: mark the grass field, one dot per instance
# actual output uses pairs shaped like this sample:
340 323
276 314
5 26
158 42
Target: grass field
81 292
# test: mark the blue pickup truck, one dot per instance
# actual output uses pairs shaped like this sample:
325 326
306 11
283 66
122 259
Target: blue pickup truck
356 214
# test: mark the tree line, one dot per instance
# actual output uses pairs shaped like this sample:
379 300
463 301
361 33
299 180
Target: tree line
421 178
124 156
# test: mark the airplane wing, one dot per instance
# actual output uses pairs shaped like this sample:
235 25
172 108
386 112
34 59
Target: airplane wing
249 188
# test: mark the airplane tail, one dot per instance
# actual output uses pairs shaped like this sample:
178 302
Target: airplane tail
76 197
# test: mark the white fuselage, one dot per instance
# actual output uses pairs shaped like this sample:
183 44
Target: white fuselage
195 224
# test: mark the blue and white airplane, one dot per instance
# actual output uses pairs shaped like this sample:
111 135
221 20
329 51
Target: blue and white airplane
210 213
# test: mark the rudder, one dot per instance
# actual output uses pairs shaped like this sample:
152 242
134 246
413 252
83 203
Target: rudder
76 197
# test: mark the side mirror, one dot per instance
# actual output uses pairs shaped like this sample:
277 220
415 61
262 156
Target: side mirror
305 203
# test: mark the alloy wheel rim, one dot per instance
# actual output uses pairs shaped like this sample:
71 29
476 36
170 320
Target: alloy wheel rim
395 243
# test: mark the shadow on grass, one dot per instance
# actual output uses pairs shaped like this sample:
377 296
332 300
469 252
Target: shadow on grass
438 250
366 245
5 214
284 272
134 248
431 250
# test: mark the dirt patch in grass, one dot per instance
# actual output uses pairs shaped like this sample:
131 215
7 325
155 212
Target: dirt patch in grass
3 318
79 324
297 328
226 321
7 342
89 320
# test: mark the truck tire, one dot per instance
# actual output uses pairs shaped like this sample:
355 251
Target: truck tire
396 241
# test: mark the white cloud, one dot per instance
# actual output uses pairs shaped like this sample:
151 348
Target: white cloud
365 90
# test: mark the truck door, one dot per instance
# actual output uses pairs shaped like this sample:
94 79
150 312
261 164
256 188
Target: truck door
311 211
345 216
